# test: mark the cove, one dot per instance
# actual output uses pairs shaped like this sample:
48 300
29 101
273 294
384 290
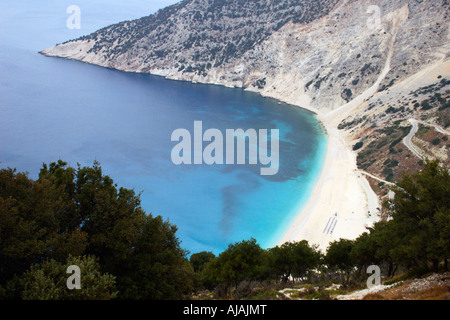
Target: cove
54 109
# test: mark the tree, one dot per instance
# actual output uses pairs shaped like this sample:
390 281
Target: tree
387 237
156 266
81 212
34 223
47 281
339 257
363 252
305 257
199 260
280 260
240 261
420 211
294 259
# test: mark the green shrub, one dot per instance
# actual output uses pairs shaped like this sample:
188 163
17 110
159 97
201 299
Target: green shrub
436 141
358 145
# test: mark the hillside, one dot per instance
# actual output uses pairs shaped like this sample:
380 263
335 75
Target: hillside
316 54
368 68
432 287
429 287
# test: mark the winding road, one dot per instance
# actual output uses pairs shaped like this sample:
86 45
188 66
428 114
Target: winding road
415 127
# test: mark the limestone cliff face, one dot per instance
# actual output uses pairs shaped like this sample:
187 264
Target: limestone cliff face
315 54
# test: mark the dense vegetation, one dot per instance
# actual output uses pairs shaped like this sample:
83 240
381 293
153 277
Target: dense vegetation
380 149
387 144
71 215
79 217
415 239
207 31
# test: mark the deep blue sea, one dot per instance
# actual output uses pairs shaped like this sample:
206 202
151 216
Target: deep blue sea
52 108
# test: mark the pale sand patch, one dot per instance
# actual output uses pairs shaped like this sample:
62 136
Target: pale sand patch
340 203
341 189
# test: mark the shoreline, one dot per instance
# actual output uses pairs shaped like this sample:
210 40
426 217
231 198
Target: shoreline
339 189
341 199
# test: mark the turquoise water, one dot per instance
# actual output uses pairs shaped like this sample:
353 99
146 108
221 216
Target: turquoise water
52 109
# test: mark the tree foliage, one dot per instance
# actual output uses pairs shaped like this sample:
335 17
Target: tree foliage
240 261
415 236
420 214
81 212
80 217
200 259
47 281
293 259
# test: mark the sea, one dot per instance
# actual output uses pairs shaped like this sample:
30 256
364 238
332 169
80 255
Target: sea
53 108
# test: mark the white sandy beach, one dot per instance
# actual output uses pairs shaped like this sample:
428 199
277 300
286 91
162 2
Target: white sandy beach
340 203
342 198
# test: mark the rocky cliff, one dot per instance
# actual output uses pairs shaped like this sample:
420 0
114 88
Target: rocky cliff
318 54
365 66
